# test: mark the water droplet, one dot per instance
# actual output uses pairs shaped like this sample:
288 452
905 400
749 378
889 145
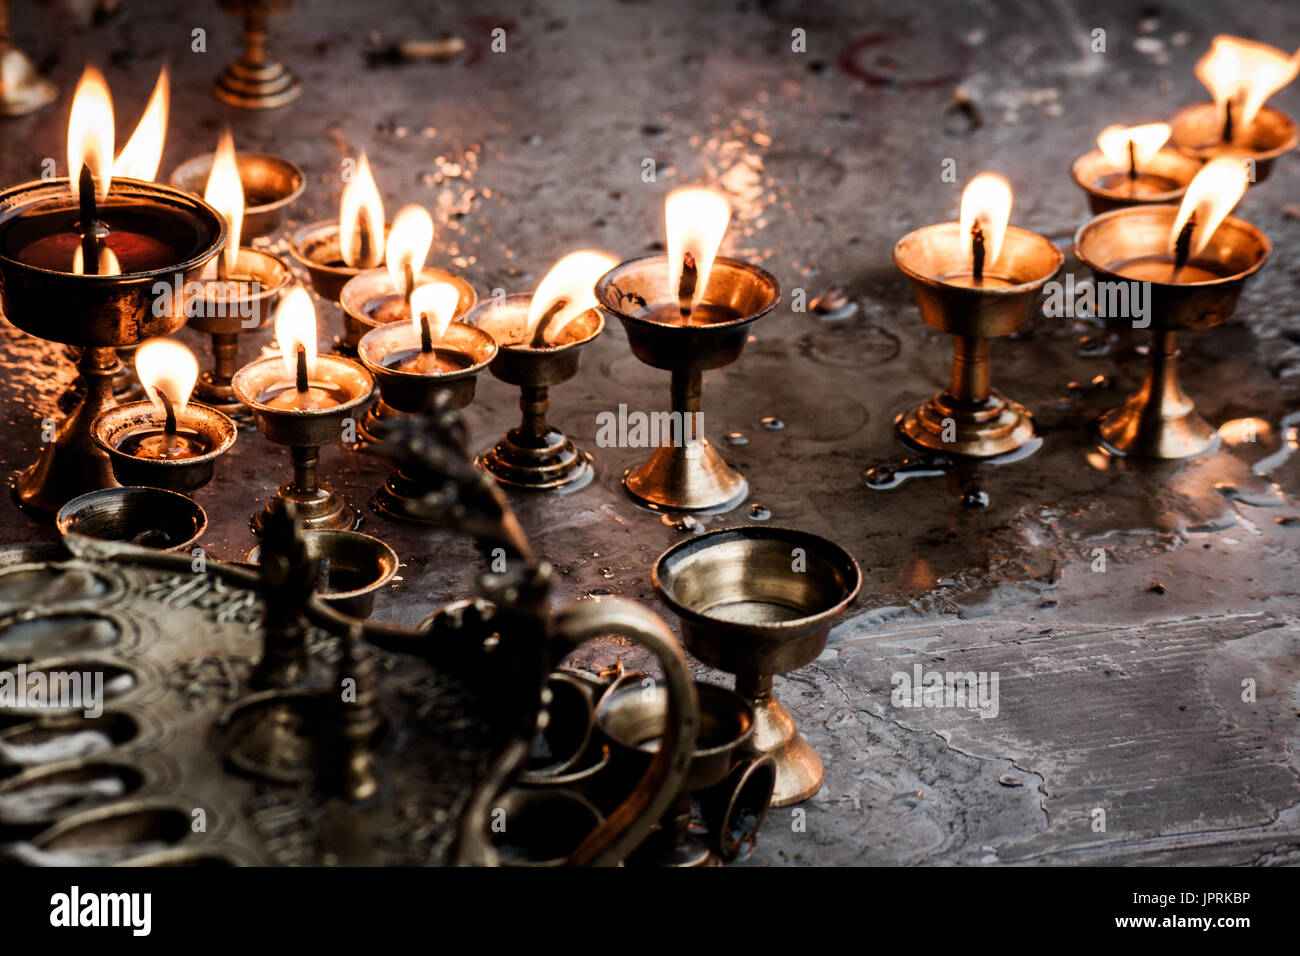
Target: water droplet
759 513
737 438
600 592
606 572
772 423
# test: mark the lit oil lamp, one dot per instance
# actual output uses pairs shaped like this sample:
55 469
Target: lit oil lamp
1196 259
22 89
256 80
239 291
99 248
1241 75
688 312
270 185
334 252
974 279
377 297
415 359
301 400
167 441
1129 167
540 340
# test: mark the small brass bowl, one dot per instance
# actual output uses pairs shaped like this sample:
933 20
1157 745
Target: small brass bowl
316 249
409 391
1198 133
146 517
271 185
367 287
1089 169
184 475
213 314
354 566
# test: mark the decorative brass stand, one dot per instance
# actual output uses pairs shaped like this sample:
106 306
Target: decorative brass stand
256 81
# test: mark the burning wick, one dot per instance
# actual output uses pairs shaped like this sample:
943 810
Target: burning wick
686 287
1183 245
363 236
426 334
169 413
1227 121
539 334
300 378
91 227
1132 160
977 251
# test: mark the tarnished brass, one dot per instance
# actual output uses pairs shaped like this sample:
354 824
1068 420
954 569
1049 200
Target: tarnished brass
1198 133
543 827
969 417
271 186
174 474
686 475
536 454
1160 420
316 249
305 432
22 89
351 568
736 807
412 391
141 517
758 601
1089 169
256 80
99 314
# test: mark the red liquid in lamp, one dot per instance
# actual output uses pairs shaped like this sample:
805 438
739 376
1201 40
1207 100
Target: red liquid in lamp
143 238
439 361
157 444
317 396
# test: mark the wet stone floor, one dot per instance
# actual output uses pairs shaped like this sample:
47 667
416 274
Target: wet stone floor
1141 617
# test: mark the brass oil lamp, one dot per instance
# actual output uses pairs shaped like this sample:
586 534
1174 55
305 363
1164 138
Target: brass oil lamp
1132 167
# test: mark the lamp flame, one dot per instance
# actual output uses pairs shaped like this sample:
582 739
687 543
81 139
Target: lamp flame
295 327
1217 188
108 264
1146 140
142 153
985 200
437 301
570 286
167 367
225 193
1244 74
90 134
361 219
697 219
408 243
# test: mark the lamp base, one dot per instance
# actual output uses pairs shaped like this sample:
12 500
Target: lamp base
321 508
688 477
544 463
398 498
799 772
370 428
1146 429
953 426
264 86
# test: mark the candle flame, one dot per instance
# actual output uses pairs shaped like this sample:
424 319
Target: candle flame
408 243
1146 139
1245 74
295 326
167 367
225 193
90 133
142 153
1211 196
437 301
697 219
361 214
108 264
573 280
986 200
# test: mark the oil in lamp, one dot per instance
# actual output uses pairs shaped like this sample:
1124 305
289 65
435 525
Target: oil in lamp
256 80
377 297
301 399
1130 167
1240 75
1196 259
95 249
412 361
748 609
239 291
688 312
22 89
166 441
974 279
540 340
334 252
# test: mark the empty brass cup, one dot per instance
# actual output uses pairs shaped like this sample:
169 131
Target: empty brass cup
185 475
536 454
734 808
757 602
351 568
542 827
1160 420
1090 170
969 417
143 517
1198 134
271 186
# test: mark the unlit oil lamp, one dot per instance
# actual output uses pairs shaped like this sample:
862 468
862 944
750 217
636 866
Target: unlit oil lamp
302 399
974 279
239 291
167 441
96 249
1196 259
688 312
415 359
1240 75
333 252
22 89
377 297
256 80
1130 167
540 340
